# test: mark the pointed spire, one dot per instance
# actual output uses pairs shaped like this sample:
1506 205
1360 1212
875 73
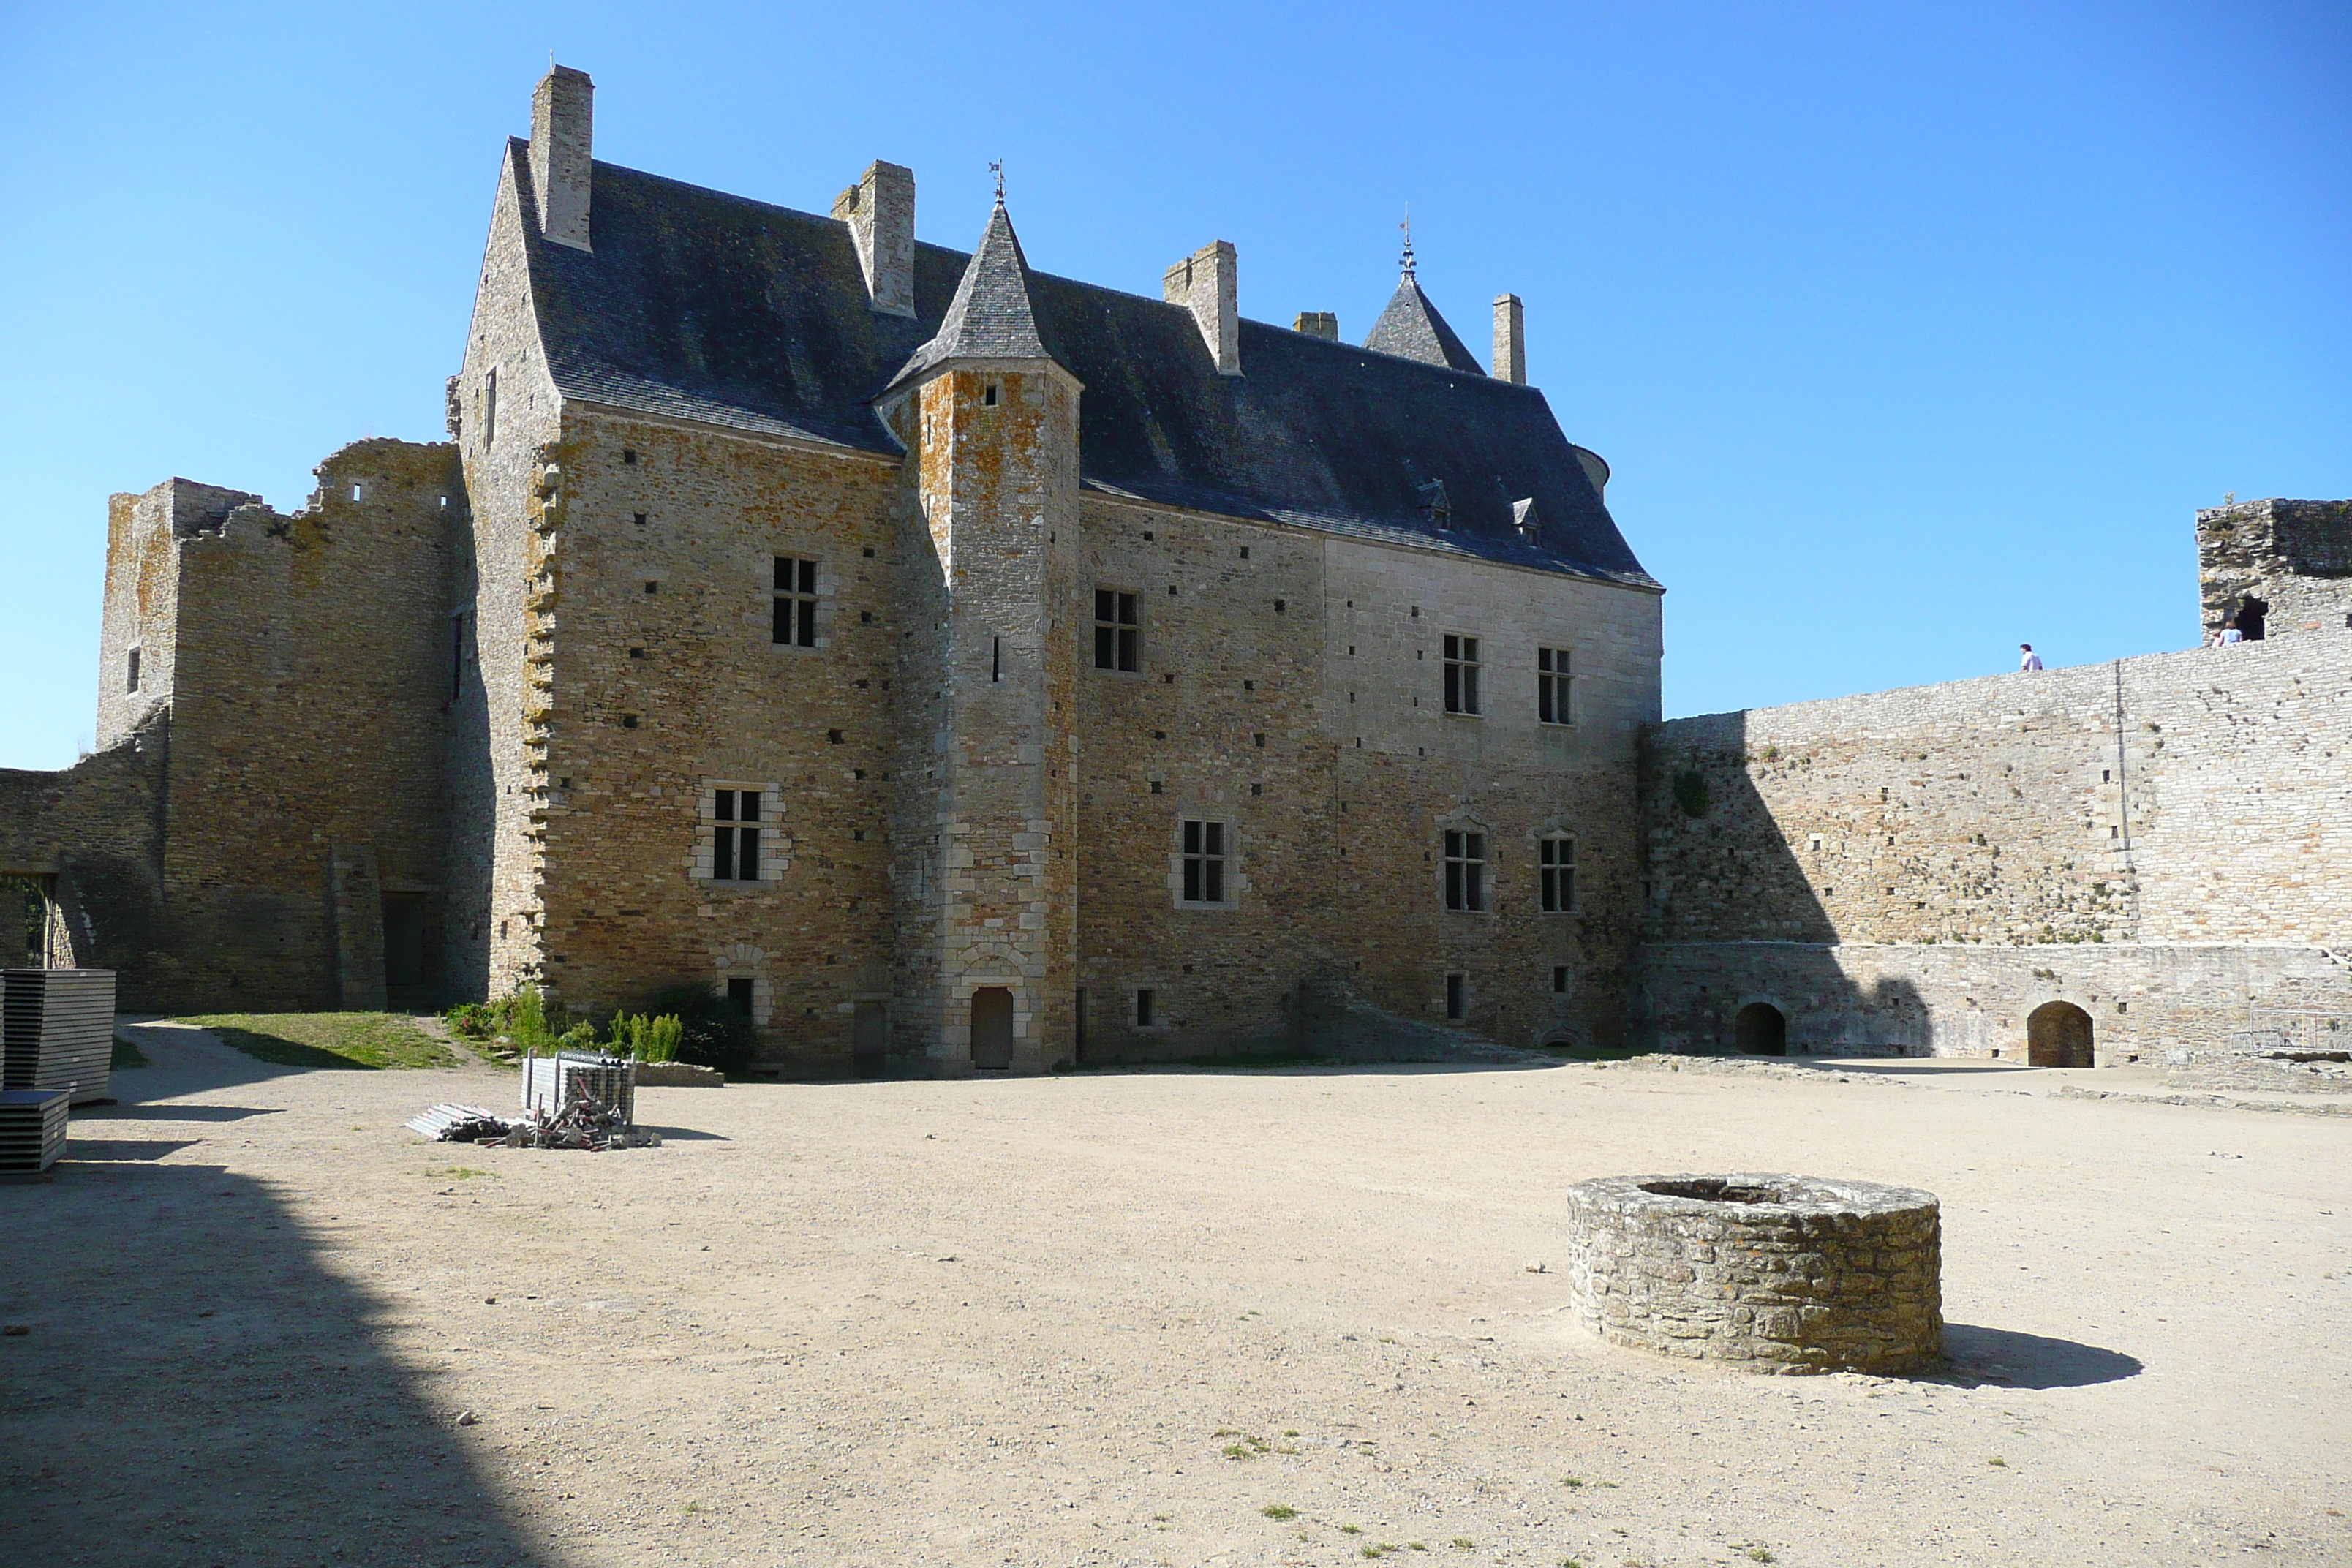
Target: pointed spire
1411 328
991 316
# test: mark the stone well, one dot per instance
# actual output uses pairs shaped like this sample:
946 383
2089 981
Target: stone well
1773 1273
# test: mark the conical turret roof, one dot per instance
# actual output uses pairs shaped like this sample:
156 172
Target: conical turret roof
1411 328
991 316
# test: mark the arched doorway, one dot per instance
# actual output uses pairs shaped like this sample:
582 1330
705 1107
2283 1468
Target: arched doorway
2058 1035
992 1028
1761 1030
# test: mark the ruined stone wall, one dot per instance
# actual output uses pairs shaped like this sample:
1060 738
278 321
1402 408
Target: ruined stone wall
2294 556
92 837
308 731
233 848
139 611
1918 870
506 416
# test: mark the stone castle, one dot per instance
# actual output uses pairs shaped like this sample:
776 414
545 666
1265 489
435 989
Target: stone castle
963 668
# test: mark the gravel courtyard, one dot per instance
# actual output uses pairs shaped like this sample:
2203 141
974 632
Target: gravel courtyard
1153 1318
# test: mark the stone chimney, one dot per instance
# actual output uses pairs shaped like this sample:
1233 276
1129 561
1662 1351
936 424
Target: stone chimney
1205 283
880 212
1317 324
1510 361
563 113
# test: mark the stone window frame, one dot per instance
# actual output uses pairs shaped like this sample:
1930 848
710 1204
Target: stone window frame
774 842
1461 692
1487 885
1234 883
827 587
1095 625
1160 1024
1555 686
1545 871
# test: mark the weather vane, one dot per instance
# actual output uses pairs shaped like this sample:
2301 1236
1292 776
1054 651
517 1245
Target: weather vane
1407 227
996 167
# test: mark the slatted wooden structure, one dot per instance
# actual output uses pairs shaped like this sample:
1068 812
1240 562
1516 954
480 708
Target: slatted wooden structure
32 1129
57 1030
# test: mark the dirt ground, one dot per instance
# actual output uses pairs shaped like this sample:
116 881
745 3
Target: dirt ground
1123 1318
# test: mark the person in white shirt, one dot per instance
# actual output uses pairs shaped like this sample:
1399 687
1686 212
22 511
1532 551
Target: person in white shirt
2032 660
2231 636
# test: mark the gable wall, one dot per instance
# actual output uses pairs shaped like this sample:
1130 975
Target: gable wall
625 884
512 461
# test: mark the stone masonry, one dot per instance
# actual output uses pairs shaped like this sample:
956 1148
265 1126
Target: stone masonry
2159 842
750 509
2282 567
270 780
1768 1272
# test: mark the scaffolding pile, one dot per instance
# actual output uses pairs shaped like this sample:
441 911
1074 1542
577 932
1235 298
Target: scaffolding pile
572 1100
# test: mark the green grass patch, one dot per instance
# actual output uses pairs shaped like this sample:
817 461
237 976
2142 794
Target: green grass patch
1279 1510
127 1054
338 1041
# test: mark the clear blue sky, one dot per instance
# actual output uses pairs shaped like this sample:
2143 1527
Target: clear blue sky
1910 331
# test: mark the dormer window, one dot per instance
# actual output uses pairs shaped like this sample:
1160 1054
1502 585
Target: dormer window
1435 506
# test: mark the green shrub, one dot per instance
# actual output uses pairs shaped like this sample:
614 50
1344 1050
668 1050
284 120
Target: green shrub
473 1020
654 1040
521 1018
710 1032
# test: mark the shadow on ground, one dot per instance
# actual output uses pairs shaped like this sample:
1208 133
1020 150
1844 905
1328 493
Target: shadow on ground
2006 1359
196 1387
169 1113
1506 1060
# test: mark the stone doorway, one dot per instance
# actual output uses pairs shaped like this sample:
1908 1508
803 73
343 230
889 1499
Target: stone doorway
26 919
2058 1035
870 1040
2253 614
405 979
992 1028
1761 1029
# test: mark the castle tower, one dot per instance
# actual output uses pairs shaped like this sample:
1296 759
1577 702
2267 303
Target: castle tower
989 925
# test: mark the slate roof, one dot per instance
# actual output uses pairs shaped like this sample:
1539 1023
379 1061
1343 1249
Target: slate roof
1412 328
991 316
712 308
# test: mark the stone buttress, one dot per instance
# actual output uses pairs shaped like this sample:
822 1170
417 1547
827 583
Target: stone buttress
990 798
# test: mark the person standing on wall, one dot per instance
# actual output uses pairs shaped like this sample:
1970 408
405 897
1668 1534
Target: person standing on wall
2229 636
2029 659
